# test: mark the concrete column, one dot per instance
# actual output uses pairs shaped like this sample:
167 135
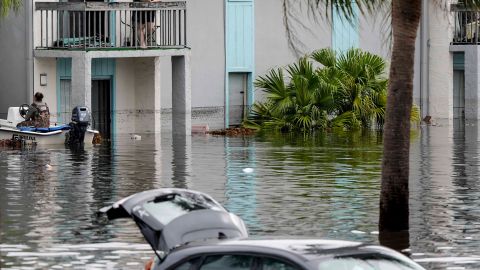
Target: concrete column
82 81
471 82
181 96
440 63
158 89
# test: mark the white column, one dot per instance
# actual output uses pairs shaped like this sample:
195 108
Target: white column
471 82
82 81
440 62
181 96
158 89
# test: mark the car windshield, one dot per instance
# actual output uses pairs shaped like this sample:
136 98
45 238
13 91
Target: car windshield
167 208
366 263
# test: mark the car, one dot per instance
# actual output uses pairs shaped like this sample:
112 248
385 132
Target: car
189 230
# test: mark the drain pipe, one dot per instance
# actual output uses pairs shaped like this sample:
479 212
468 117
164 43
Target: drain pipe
424 61
29 12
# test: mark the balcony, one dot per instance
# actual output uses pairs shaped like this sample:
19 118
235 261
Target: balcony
110 26
466 25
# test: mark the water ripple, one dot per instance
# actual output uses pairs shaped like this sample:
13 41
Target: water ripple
281 185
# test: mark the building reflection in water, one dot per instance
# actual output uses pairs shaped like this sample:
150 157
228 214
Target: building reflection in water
466 192
241 172
430 179
444 168
181 161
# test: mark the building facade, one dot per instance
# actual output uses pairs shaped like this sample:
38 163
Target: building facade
200 63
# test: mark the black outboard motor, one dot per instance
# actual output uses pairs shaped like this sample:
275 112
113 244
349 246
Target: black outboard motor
78 127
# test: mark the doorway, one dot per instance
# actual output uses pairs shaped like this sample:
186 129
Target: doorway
237 86
458 94
102 107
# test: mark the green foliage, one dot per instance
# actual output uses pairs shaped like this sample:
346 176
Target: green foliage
326 90
7 5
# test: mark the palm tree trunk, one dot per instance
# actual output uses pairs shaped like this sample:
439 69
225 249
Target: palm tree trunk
394 212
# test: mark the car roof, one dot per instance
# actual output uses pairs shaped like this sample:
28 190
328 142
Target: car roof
308 249
304 252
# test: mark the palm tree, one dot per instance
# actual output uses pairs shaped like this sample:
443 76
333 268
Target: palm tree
360 97
346 91
7 5
293 104
405 18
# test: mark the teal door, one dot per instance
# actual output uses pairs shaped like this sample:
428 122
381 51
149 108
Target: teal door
240 60
237 97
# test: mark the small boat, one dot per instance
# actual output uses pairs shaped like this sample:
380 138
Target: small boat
39 136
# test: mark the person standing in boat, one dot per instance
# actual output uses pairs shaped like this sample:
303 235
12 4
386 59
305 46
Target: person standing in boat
38 114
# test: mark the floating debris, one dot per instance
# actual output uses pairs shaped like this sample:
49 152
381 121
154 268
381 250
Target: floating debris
136 137
11 143
247 170
233 132
97 138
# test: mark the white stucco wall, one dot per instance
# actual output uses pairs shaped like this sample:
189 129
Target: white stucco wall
135 95
440 63
49 67
125 94
144 95
205 35
271 43
374 34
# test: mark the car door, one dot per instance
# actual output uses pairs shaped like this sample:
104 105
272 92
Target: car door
236 262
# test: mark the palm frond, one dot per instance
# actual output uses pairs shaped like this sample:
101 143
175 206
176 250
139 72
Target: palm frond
9 5
327 57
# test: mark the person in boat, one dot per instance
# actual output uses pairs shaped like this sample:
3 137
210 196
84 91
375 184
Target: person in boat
38 114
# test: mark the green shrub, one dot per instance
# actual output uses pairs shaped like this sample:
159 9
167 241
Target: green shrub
346 91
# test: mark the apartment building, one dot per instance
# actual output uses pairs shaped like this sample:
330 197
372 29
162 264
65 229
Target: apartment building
199 64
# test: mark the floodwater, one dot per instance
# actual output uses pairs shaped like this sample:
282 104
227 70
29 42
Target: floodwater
282 185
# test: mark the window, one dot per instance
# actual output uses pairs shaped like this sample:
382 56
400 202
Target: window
190 265
273 264
352 263
169 207
230 262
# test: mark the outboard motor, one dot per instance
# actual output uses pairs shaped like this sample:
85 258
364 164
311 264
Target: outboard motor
78 127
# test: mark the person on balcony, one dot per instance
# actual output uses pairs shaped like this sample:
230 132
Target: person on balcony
38 114
144 24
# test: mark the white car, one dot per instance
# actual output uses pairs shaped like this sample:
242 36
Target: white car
189 230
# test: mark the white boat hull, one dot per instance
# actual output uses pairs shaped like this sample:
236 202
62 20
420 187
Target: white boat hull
39 138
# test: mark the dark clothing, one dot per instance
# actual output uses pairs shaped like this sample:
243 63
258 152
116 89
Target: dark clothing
143 17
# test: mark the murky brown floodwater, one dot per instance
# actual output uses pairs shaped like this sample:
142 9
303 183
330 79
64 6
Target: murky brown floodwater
321 186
